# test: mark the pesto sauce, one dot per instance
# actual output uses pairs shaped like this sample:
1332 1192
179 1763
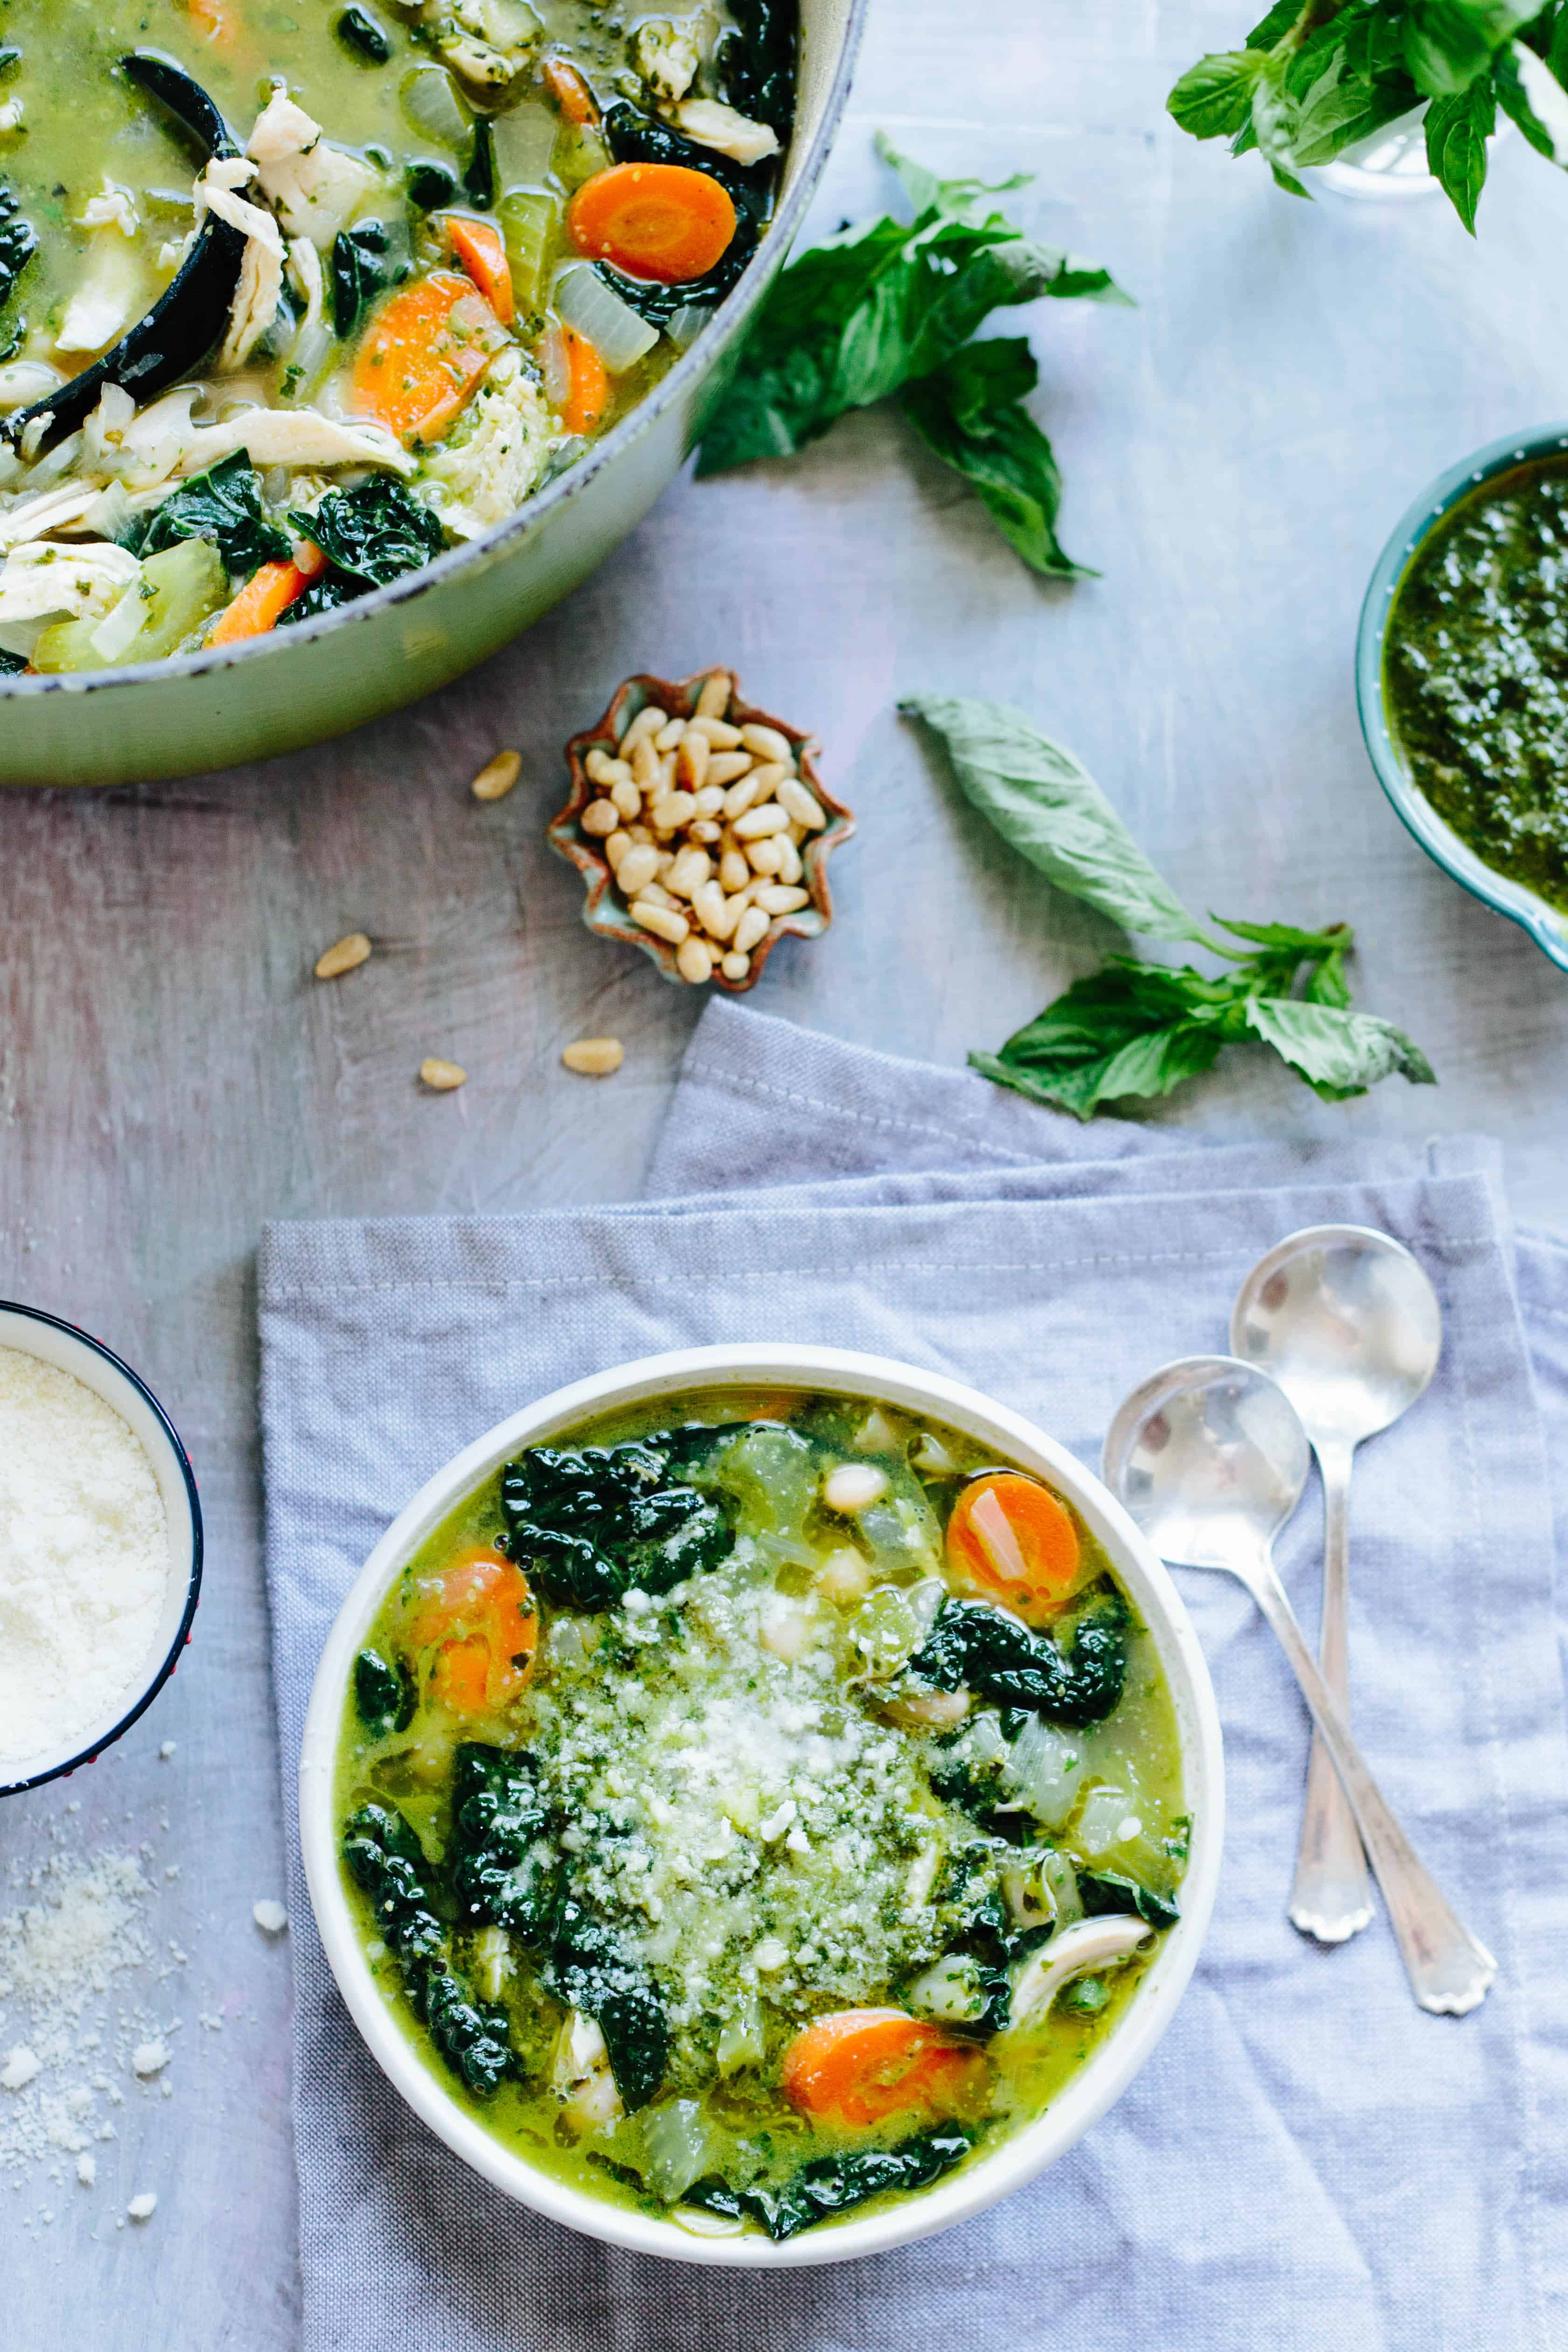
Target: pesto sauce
754 2136
1476 674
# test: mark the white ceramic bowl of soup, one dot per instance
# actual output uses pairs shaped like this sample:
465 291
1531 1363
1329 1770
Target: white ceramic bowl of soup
1113 2063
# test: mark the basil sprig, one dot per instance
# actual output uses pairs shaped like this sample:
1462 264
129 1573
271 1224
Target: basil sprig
1316 77
1140 1029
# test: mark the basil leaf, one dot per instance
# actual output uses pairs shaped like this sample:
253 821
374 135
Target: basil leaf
1272 124
1529 90
1343 90
927 193
970 414
1213 100
1130 1029
1458 130
1338 1053
1062 277
1448 44
223 505
1047 805
1282 18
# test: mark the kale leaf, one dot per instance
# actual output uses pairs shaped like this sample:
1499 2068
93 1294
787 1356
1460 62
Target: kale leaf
970 414
1108 1890
357 30
364 266
370 535
593 1969
223 505
833 2183
12 665
636 138
385 1856
973 1646
18 244
384 1694
756 62
503 1873
592 1525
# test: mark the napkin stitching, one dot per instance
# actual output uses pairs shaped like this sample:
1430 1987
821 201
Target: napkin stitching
847 1110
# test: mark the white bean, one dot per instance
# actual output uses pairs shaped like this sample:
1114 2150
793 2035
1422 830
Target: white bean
853 1486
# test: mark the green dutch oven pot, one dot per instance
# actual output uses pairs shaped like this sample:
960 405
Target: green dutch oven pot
322 677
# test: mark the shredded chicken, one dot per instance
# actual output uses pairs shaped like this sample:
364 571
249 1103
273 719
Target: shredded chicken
314 188
720 127
260 287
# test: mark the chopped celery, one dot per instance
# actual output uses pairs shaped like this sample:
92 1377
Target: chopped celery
530 221
579 153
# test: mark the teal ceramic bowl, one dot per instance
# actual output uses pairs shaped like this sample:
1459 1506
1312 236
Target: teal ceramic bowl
1546 925
304 684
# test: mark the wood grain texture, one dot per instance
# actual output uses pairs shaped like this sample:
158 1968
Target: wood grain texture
1236 450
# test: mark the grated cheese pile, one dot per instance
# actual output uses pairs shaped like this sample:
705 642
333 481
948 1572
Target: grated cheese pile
84 1559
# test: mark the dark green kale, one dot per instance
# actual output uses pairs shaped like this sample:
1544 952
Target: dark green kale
19 242
756 62
973 1646
636 137
592 1525
833 2183
357 30
430 186
504 1872
480 179
370 535
591 1968
658 304
364 264
223 505
384 1694
11 665
387 1859
1107 1890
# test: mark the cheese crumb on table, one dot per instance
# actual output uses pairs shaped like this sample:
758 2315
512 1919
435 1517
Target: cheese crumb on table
142 2207
269 1917
20 2067
149 2058
87 2170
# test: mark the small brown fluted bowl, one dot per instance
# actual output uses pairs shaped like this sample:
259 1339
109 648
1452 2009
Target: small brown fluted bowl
606 911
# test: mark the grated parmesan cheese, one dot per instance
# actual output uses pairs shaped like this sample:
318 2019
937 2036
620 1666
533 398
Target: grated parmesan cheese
84 1557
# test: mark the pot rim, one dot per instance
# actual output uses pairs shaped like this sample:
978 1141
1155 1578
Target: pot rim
1111 2067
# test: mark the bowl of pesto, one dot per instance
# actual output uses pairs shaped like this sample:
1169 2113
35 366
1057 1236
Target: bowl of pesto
762 1804
1462 679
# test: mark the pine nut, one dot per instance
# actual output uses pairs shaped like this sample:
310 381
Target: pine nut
736 967
788 867
662 921
496 777
595 1058
669 735
781 899
671 810
726 767
714 911
655 894
626 796
733 870
769 744
667 771
601 817
615 848
802 805
704 831
345 955
719 733
639 832
692 759
764 854
638 867
649 720
773 772
754 823
709 799
603 769
689 872
644 764
693 962
713 699
739 797
753 923
443 1077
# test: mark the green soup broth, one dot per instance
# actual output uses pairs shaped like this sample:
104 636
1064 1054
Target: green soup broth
739 1783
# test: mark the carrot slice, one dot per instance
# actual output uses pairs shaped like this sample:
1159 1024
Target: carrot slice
575 102
218 21
481 1613
858 2066
654 220
479 247
419 361
587 395
266 597
1010 1540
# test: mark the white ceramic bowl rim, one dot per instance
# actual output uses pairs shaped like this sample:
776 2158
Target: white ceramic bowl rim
177 1484
1099 2082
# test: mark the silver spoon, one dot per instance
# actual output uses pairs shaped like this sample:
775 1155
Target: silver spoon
1348 1324
1208 1456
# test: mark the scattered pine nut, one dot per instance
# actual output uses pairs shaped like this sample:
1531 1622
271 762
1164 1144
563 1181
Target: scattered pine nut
713 699
496 777
443 1077
595 1058
347 955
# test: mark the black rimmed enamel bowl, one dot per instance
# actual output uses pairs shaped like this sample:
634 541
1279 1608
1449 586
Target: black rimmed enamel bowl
1546 924
33 1333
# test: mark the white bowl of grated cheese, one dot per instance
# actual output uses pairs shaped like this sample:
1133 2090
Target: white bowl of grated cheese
1113 2064
101 1548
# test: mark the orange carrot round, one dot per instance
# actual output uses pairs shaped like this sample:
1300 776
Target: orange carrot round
653 220
479 247
859 2066
480 1617
587 395
1010 1540
266 597
418 365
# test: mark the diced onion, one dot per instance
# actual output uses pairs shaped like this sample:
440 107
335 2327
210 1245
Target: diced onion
431 102
678 2142
1046 1770
114 635
585 302
525 141
550 351
686 324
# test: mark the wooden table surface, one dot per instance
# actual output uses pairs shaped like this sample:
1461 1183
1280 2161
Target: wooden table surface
1236 449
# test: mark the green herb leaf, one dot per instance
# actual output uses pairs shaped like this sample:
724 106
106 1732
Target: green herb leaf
1458 130
970 414
1131 1029
1337 1052
1043 802
223 505
958 199
1448 44
1529 90
1272 124
1213 100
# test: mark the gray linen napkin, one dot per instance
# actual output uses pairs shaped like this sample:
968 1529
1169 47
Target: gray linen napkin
1307 2160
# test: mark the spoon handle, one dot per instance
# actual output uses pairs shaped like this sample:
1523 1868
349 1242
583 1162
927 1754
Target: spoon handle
1450 1971
1332 1897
